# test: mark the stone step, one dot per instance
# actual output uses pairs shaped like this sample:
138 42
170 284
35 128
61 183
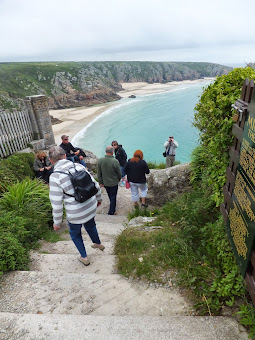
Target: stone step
68 247
84 294
111 219
100 263
107 228
81 327
124 204
103 227
107 233
104 236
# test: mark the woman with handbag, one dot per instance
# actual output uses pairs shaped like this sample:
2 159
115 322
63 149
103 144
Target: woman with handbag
136 168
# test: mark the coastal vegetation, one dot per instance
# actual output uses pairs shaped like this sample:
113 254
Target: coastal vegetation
25 211
155 165
192 248
70 84
15 168
213 118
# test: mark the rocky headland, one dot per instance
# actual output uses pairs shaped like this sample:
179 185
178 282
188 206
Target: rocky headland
74 84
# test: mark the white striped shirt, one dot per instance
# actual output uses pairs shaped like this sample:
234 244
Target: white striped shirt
76 212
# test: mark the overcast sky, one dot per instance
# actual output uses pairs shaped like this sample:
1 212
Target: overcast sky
220 31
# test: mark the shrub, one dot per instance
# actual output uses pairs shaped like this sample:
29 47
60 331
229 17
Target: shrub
13 242
201 228
25 216
29 199
155 165
137 211
192 240
247 318
162 165
15 168
13 255
17 225
213 117
227 283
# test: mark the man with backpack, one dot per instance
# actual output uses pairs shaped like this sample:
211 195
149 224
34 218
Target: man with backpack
80 201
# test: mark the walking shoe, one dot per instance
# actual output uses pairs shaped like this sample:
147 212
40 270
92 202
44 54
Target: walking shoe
144 205
98 246
84 261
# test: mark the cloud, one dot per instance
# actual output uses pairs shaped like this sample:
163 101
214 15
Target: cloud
70 30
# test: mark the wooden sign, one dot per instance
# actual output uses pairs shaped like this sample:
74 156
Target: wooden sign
238 208
241 221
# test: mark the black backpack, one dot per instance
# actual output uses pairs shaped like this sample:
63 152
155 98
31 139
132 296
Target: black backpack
84 187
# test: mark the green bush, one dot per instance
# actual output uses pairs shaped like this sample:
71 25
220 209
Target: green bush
247 318
13 255
25 212
14 237
192 240
214 269
227 283
15 168
29 199
191 209
162 165
17 225
155 165
137 211
213 117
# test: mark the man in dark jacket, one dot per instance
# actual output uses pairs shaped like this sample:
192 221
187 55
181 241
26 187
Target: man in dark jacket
121 156
108 175
72 154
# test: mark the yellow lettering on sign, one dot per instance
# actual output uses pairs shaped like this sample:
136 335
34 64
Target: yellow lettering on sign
239 231
246 161
240 192
251 123
251 135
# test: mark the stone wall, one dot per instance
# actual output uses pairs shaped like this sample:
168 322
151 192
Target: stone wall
38 108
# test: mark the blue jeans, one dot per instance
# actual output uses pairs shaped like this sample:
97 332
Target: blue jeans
112 194
76 159
122 171
75 233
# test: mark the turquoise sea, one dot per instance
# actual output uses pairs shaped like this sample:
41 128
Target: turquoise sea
146 122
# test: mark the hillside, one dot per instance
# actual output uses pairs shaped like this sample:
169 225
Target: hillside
70 84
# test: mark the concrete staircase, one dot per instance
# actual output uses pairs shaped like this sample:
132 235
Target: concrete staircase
60 298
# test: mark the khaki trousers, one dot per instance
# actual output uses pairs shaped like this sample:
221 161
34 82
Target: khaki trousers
170 161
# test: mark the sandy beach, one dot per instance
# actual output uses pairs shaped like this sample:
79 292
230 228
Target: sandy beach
75 119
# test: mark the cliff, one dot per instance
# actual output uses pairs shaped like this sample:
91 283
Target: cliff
70 84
